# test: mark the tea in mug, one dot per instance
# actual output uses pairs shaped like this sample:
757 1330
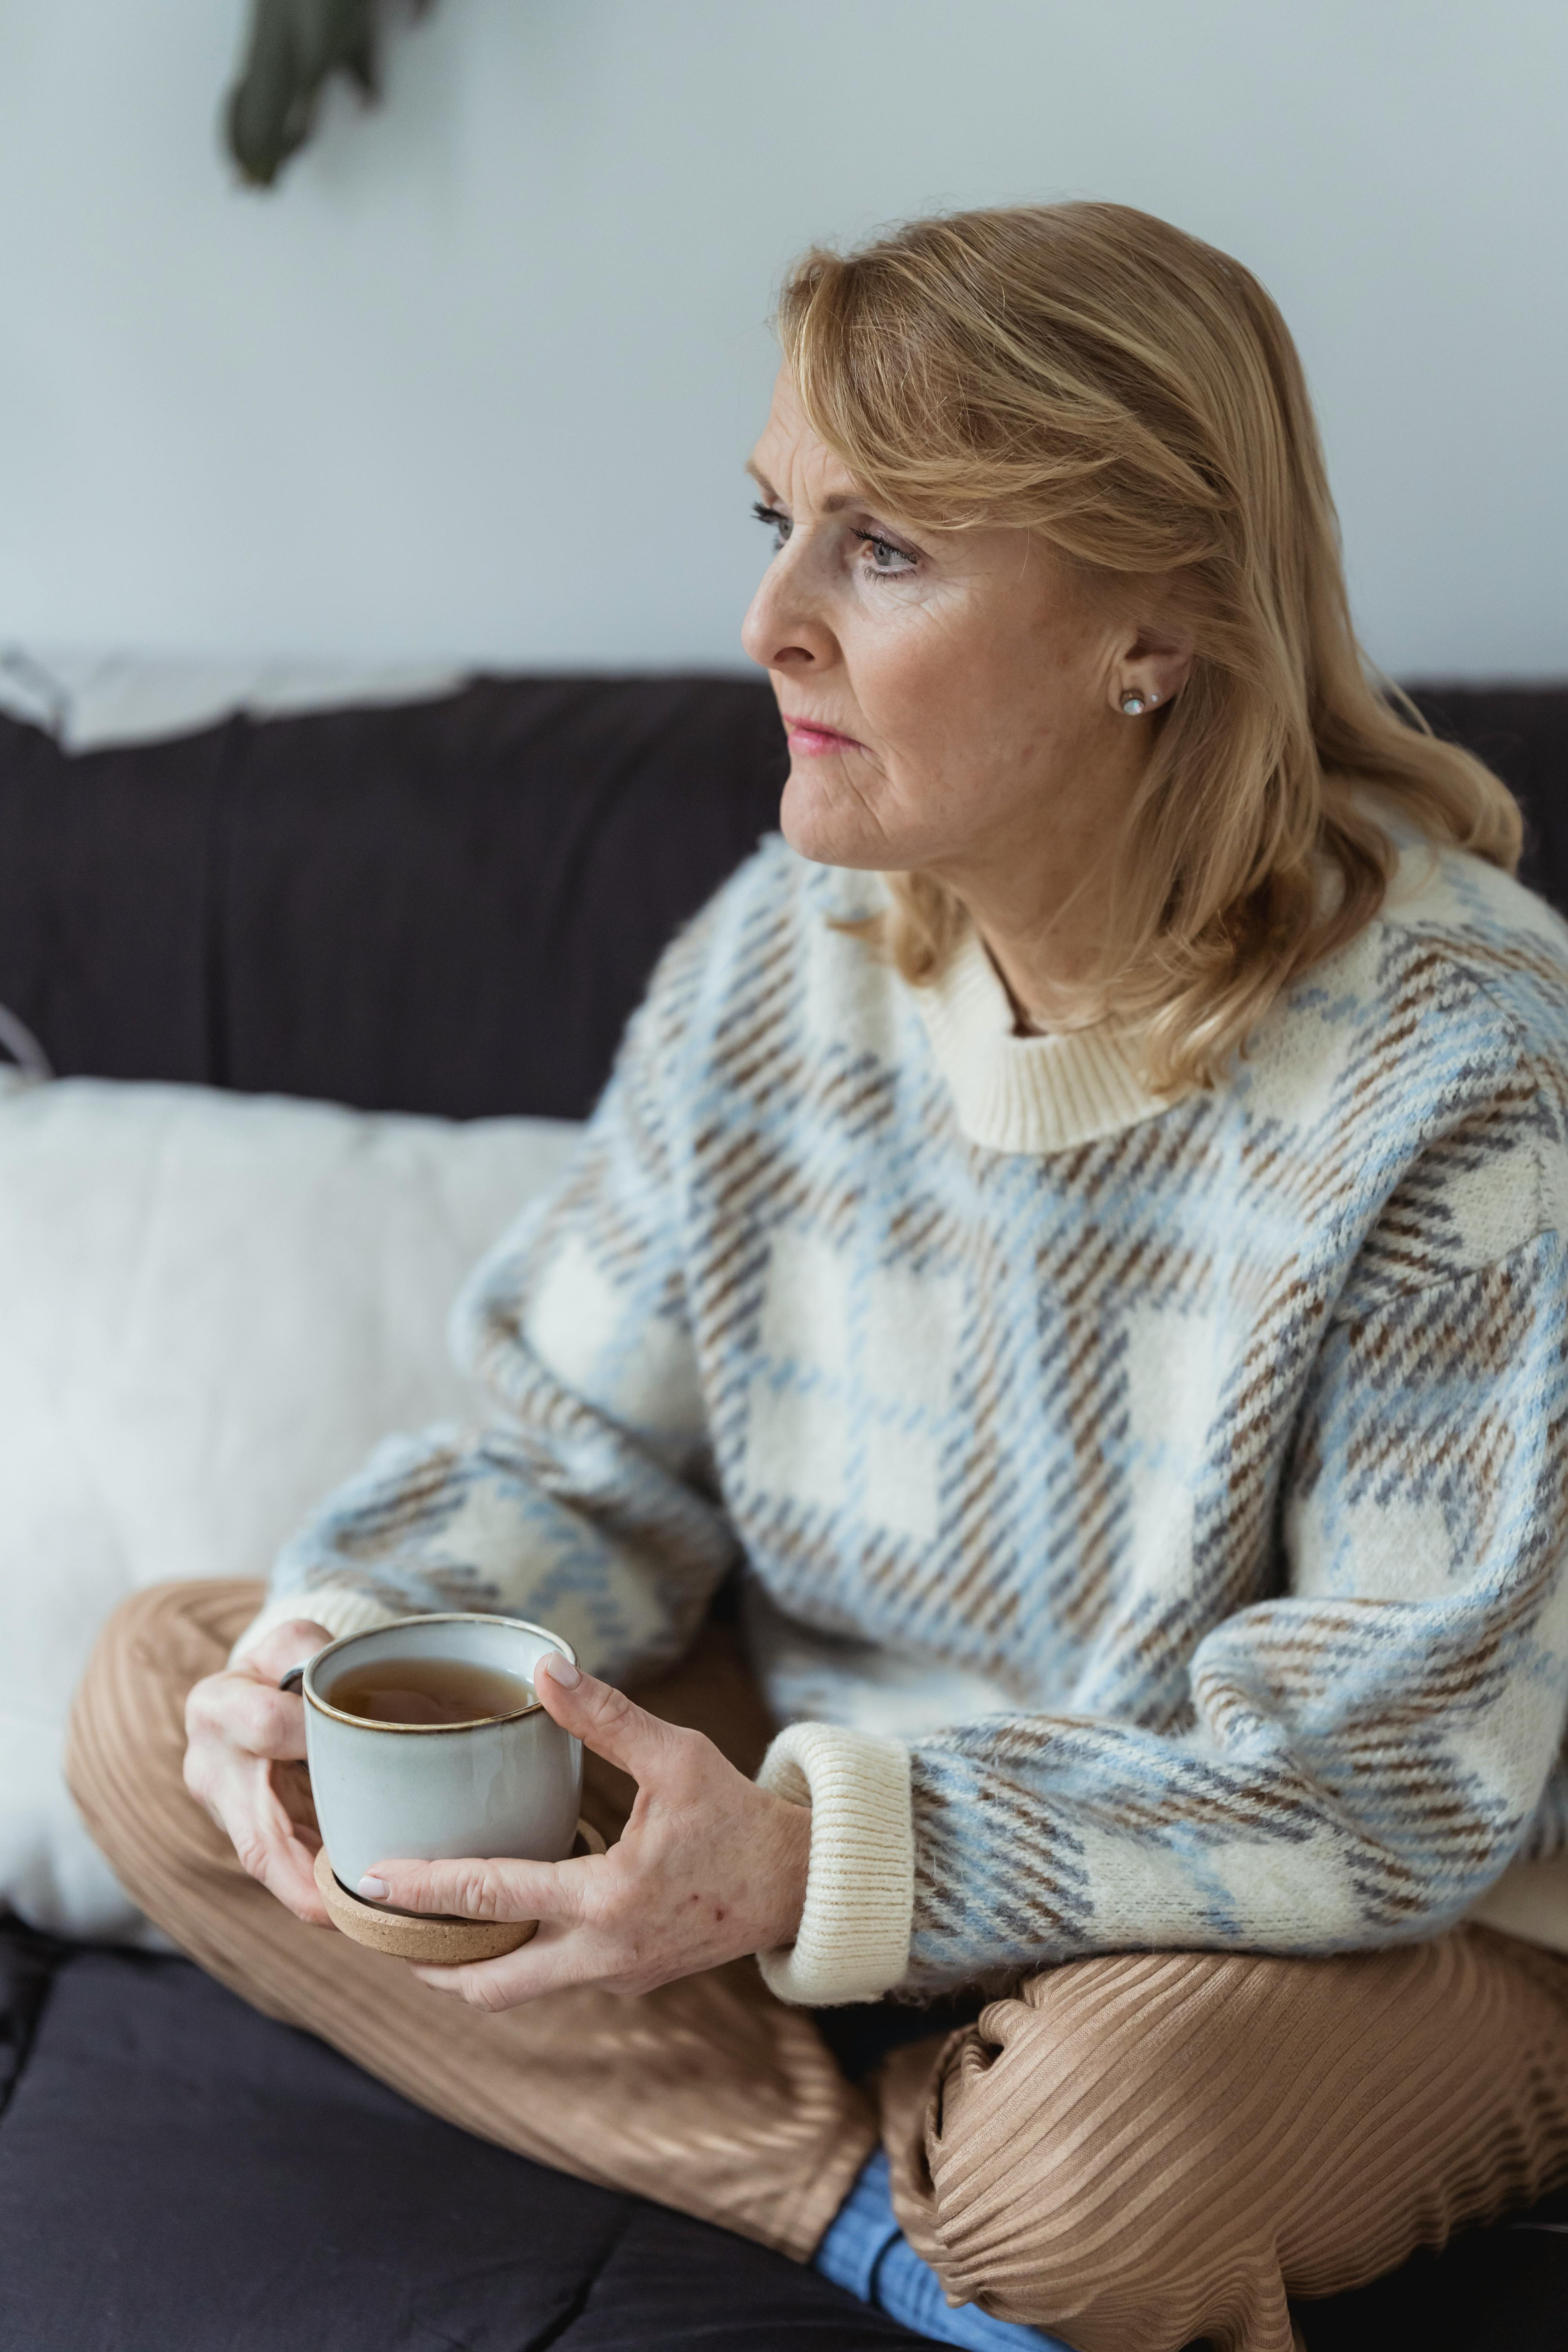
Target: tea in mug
428 1691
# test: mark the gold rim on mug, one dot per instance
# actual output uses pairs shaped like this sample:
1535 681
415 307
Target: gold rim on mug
294 1680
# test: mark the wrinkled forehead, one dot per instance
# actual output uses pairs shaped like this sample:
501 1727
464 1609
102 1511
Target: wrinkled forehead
791 462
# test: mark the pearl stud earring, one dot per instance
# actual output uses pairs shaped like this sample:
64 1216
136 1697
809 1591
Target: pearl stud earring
1135 704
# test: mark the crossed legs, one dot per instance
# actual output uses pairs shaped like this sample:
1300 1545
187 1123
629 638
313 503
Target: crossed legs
1132 2151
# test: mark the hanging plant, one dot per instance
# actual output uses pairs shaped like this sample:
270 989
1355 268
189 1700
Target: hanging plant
296 47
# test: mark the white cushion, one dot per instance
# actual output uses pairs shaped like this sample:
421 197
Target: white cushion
87 700
214 1307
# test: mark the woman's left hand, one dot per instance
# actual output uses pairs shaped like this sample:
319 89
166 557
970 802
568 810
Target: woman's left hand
708 1868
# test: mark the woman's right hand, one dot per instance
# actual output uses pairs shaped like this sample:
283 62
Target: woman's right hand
244 1761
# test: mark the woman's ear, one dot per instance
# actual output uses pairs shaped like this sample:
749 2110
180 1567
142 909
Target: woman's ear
1151 671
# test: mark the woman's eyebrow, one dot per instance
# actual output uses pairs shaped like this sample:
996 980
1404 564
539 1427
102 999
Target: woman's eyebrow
834 505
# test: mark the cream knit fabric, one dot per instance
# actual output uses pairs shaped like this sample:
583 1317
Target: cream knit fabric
853 1936
339 1610
1028 1094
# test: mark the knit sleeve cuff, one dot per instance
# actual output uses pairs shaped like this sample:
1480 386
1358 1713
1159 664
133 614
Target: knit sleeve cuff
338 1607
854 1938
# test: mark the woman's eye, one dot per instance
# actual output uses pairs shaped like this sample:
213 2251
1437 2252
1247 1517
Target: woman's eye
887 562
778 523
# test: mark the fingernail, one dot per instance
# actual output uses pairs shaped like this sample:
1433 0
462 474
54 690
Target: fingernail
561 1670
374 1890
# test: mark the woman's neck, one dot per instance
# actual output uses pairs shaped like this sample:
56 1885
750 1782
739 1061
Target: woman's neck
1038 889
1046 944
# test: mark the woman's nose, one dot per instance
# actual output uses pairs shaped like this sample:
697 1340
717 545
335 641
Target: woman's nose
782 630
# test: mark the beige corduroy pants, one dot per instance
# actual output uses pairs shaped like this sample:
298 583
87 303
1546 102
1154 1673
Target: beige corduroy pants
1132 2151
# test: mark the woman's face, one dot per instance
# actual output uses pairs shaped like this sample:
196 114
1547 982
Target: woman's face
952 697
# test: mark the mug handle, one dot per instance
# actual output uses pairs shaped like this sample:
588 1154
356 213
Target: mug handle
294 1679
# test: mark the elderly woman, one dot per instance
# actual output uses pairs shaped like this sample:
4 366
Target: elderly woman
1075 1234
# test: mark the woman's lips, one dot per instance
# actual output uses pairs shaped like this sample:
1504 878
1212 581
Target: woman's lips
811 740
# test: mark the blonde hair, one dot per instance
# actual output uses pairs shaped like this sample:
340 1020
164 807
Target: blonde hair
1094 374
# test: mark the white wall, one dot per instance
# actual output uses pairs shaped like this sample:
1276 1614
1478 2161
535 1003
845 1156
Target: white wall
477 380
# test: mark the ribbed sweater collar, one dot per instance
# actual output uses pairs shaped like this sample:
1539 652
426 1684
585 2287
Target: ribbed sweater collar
1028 1094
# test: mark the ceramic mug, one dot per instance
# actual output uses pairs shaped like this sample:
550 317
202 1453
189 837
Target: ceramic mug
439 1791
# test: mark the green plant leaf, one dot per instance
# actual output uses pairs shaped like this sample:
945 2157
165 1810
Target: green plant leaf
296 47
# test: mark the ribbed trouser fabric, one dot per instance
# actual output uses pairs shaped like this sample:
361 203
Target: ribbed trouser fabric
1131 2152
866 2251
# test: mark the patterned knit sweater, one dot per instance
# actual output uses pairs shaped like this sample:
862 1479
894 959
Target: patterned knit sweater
1152 1515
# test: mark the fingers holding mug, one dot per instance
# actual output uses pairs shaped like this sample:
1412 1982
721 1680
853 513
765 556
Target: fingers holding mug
561 1897
241 1730
473 1889
273 1844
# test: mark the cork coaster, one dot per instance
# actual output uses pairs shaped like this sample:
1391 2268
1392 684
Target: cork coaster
431 1936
